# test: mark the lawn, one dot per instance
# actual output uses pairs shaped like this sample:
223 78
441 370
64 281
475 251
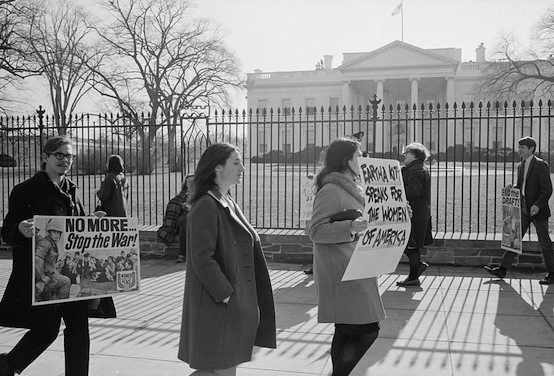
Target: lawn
465 197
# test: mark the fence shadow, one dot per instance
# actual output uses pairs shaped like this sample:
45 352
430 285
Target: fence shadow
525 337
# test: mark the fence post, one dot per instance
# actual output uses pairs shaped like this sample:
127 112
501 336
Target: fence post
40 113
374 117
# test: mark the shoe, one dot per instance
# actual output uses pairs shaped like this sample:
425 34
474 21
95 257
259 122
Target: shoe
180 258
421 268
499 271
548 279
5 368
409 282
309 271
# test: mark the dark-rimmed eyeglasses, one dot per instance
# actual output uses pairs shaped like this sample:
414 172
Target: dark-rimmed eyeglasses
61 156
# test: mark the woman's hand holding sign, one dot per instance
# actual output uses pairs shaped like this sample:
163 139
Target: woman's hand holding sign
358 225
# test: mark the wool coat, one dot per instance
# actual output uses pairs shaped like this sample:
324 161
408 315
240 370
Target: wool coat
114 193
417 185
224 258
538 186
35 196
342 302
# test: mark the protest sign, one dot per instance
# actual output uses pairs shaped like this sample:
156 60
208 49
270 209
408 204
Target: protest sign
307 197
380 247
79 258
511 220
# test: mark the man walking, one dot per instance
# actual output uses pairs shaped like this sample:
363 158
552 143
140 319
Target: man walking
533 181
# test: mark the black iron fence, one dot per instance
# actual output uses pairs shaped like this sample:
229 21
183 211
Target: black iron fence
473 146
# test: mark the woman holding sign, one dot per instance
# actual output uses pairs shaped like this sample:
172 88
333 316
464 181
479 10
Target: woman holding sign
417 185
354 306
228 304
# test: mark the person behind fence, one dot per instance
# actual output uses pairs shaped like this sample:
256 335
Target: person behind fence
48 192
417 186
174 218
533 181
49 282
228 303
355 307
114 190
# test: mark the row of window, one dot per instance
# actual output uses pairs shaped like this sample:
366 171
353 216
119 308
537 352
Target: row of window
309 105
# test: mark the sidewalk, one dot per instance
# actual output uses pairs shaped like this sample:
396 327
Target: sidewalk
460 322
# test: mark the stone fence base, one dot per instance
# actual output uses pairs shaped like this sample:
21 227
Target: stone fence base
294 246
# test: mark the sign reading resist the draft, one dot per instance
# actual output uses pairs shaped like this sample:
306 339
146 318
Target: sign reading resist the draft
511 220
79 258
380 247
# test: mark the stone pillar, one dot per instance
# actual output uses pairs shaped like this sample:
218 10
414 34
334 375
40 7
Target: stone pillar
379 141
346 95
450 94
414 99
380 90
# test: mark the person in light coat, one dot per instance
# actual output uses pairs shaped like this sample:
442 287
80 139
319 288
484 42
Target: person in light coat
228 303
354 306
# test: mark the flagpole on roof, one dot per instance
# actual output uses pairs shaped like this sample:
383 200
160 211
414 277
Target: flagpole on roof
400 9
402 17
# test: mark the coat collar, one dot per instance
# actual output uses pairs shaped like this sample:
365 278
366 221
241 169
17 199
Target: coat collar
416 164
346 183
218 197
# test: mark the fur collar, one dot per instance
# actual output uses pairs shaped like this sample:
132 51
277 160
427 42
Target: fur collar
346 183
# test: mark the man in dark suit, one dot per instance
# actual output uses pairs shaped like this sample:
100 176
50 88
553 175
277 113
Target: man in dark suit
533 180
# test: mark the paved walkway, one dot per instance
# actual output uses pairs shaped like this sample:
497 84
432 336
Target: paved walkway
460 322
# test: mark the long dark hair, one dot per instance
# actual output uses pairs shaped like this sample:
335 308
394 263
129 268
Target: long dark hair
204 176
339 152
115 164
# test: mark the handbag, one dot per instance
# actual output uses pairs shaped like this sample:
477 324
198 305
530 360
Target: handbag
346 215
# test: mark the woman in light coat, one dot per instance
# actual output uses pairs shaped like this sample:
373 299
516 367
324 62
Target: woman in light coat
228 304
354 306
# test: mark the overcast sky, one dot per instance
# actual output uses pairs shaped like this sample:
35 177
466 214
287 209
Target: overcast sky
276 35
282 35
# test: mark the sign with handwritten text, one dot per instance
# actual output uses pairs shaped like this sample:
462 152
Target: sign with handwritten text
380 247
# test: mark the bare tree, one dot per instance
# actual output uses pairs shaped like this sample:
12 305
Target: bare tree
523 75
156 54
12 62
57 37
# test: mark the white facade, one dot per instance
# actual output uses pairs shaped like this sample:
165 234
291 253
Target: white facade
398 73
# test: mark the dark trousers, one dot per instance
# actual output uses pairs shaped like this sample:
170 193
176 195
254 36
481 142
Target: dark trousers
541 225
45 328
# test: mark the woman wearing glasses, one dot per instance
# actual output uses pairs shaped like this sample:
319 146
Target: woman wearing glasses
48 192
114 191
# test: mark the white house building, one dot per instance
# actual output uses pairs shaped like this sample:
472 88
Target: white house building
398 73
